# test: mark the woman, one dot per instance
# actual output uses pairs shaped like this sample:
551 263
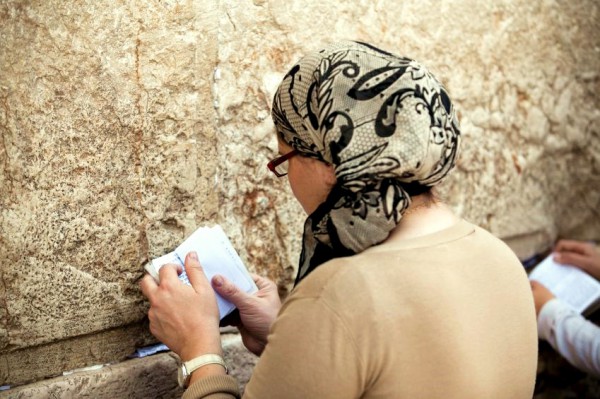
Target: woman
395 297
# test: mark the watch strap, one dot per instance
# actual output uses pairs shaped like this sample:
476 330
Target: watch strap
210 358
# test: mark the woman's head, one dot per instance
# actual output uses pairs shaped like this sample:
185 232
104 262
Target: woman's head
383 122
311 180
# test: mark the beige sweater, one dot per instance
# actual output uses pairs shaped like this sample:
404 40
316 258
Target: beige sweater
448 315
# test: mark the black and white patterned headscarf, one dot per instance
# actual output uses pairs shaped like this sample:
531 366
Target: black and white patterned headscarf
385 124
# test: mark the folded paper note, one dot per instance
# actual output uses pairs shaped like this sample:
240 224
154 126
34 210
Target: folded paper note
216 255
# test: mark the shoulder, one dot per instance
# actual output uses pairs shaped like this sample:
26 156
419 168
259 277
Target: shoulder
346 286
327 278
483 247
489 240
360 284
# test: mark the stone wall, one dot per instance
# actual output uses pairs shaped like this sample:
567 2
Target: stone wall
124 125
108 143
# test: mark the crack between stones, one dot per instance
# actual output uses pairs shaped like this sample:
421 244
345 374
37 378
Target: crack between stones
137 151
5 321
3 142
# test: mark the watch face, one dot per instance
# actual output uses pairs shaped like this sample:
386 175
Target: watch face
182 376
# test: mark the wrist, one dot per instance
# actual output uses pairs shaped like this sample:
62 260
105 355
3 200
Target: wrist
192 352
260 347
209 364
198 345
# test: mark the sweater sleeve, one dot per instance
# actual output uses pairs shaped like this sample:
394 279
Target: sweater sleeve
310 354
571 335
214 387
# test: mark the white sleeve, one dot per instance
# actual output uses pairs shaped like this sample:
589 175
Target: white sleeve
571 335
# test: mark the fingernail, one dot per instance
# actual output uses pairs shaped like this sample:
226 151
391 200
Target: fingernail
194 255
218 281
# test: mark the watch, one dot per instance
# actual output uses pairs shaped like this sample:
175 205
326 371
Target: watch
187 368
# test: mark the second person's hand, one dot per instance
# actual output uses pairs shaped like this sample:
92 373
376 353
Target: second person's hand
584 255
541 295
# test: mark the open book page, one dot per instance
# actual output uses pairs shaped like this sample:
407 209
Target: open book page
216 255
573 286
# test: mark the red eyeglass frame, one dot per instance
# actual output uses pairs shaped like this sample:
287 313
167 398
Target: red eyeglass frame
279 160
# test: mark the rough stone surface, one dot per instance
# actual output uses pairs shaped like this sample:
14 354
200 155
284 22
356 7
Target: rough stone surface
151 377
126 124
108 159
27 364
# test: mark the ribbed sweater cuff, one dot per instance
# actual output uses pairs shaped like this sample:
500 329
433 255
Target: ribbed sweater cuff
214 387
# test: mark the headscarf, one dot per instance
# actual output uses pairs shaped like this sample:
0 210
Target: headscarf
386 125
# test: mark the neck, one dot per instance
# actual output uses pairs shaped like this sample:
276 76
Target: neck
425 215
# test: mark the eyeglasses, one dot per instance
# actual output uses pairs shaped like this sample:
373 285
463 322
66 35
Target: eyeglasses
279 165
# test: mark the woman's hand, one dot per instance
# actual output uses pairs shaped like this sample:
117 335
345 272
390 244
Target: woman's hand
257 311
541 295
183 317
583 255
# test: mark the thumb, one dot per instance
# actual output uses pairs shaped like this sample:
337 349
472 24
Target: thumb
263 283
194 270
229 291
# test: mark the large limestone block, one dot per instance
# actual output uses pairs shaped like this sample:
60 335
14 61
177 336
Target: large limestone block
107 159
50 360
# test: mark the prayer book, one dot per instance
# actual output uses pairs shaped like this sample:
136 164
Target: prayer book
573 286
216 255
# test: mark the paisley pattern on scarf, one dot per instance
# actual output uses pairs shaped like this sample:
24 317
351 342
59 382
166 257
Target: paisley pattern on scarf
384 122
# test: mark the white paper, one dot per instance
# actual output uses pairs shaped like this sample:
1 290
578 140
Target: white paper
571 285
216 255
157 263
